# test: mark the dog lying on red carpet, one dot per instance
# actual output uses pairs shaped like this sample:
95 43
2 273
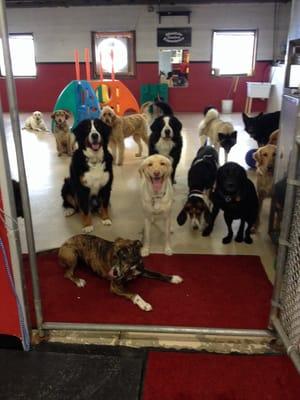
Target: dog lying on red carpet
119 261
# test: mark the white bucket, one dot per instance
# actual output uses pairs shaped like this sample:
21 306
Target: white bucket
227 106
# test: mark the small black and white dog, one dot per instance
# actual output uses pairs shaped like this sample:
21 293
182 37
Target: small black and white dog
201 179
235 194
88 188
165 137
261 126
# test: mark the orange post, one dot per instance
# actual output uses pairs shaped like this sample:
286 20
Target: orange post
87 64
77 67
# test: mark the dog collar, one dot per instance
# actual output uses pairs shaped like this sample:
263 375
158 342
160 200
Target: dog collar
202 196
207 157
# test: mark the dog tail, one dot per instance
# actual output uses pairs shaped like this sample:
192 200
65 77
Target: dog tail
165 108
210 114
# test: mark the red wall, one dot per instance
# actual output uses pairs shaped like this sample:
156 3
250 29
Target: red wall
9 319
204 89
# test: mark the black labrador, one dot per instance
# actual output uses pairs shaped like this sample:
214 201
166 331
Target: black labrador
235 194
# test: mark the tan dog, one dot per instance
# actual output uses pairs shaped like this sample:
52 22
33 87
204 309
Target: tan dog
65 139
265 160
35 122
273 139
119 261
134 125
157 197
220 133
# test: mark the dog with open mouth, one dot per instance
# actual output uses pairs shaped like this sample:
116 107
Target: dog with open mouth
201 179
166 137
119 261
87 189
157 197
65 139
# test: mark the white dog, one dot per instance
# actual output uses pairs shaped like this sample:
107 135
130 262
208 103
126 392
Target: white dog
157 197
35 122
220 133
134 125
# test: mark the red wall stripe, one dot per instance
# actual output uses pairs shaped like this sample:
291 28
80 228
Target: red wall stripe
204 89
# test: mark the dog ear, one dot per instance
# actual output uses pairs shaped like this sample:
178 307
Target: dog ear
257 157
67 114
53 115
141 169
169 166
177 124
138 244
182 217
154 127
221 136
234 134
82 130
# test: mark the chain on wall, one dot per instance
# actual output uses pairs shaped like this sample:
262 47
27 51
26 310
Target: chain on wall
290 294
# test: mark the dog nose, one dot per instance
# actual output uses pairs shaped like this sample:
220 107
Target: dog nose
156 173
94 136
195 227
167 132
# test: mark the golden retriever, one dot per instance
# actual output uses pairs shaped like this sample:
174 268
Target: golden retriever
265 160
134 125
35 122
157 197
65 139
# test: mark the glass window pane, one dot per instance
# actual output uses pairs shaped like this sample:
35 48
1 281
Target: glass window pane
22 55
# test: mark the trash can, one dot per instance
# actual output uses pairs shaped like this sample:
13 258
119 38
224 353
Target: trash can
227 106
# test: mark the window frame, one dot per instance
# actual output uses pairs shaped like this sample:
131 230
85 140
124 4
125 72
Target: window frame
21 76
131 51
254 52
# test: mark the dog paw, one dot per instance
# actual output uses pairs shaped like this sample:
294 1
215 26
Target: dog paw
69 211
88 229
176 279
81 283
227 239
206 231
106 222
248 240
142 304
168 251
239 239
145 251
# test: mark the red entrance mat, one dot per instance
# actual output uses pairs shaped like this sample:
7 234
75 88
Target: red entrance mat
194 376
218 291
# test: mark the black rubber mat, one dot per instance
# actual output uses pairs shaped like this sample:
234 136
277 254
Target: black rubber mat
78 375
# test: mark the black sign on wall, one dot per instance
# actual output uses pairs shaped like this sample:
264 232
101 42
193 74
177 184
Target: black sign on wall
174 37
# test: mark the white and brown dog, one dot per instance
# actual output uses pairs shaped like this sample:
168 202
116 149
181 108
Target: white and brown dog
119 262
157 197
35 122
134 125
220 133
65 139
265 161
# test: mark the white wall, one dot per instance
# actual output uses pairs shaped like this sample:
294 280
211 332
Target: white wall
58 30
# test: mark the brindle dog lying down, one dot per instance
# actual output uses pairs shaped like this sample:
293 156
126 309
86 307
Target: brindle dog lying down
119 261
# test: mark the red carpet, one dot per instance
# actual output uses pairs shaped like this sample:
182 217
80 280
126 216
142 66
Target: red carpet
195 376
218 291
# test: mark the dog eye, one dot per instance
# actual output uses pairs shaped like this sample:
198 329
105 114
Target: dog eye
150 164
265 154
162 163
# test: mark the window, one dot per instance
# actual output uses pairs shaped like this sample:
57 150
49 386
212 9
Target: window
22 55
233 52
114 48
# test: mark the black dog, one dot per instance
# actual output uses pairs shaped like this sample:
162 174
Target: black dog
235 194
88 188
261 126
201 179
165 137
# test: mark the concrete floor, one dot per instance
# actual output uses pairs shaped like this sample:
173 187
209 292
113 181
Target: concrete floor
46 171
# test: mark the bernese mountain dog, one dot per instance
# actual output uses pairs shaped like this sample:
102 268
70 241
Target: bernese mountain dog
87 189
165 137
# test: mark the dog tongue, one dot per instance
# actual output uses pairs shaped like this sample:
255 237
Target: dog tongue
95 146
157 184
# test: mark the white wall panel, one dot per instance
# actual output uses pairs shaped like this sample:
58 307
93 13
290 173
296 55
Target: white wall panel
57 31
